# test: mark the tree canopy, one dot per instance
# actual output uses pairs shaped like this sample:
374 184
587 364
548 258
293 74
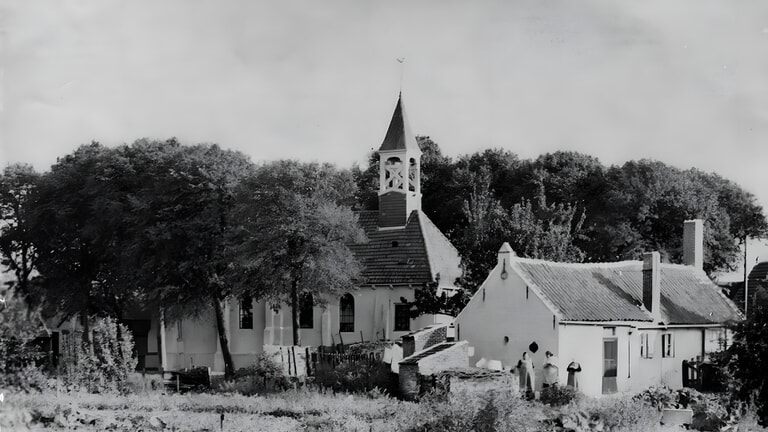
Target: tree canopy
297 224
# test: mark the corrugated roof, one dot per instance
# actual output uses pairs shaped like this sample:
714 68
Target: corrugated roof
409 255
613 292
399 136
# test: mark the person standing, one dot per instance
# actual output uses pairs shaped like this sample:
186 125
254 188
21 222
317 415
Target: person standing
525 371
551 370
573 369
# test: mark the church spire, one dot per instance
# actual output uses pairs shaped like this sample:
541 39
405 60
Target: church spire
399 136
399 172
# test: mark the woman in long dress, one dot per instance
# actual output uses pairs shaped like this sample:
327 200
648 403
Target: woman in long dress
525 370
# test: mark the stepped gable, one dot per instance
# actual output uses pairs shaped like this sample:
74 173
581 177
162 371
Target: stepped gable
413 254
614 292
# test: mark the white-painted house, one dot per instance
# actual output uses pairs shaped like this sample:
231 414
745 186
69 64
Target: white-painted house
629 324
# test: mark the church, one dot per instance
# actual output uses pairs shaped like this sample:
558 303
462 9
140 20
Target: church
405 251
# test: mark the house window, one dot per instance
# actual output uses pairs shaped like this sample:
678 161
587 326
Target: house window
178 330
402 317
646 345
667 345
347 313
246 313
306 311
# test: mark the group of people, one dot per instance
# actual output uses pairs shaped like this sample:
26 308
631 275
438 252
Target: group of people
551 375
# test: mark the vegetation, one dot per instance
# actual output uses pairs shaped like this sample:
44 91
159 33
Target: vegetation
297 225
744 362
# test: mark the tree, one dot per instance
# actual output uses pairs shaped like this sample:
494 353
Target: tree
297 231
746 358
181 225
16 250
74 228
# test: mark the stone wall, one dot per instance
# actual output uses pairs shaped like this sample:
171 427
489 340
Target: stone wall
455 356
424 338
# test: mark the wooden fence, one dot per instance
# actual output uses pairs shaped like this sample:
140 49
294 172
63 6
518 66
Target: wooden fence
334 359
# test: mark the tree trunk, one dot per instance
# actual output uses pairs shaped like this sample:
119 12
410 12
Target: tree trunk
295 312
229 368
86 324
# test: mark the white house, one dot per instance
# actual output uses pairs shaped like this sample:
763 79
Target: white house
629 324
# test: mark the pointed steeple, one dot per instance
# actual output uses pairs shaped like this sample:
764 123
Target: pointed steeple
399 136
399 172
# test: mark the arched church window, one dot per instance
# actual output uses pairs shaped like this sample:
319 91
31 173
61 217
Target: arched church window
393 175
306 311
347 313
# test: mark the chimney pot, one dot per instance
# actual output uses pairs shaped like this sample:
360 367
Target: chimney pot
693 243
652 284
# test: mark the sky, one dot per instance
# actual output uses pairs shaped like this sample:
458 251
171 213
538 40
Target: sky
684 81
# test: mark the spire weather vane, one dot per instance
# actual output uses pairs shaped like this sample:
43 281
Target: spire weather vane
401 60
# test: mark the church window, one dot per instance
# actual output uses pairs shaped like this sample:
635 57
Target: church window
306 311
393 175
246 313
347 313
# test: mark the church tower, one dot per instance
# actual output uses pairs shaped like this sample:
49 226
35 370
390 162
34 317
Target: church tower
399 172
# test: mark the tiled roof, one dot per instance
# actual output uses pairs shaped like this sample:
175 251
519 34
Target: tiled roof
409 255
399 136
614 292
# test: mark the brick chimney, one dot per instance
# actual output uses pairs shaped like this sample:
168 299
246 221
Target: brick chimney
693 243
652 284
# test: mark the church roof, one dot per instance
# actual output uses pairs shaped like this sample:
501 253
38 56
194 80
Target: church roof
399 136
414 254
614 292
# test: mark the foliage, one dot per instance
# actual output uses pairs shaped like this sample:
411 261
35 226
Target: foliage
16 250
619 412
297 225
558 395
355 377
137 383
19 325
263 376
746 359
105 363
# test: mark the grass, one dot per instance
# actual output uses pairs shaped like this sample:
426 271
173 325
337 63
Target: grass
317 410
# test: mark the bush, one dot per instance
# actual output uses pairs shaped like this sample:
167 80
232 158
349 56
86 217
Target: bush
104 364
263 376
137 383
621 413
558 395
19 326
355 377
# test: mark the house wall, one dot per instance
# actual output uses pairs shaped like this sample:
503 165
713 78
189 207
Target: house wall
374 319
583 344
500 308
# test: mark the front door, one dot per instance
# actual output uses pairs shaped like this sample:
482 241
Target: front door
610 364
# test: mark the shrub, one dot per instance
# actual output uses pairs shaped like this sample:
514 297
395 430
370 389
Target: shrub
355 377
622 413
657 397
558 395
104 364
19 325
263 376
137 383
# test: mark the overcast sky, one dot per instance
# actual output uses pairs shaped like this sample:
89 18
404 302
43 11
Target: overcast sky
683 81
